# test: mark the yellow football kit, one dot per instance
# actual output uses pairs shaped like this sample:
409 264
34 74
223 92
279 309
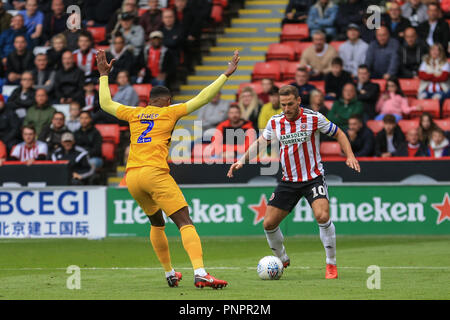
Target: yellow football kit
148 178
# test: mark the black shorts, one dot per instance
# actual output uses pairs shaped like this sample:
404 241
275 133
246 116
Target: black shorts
288 194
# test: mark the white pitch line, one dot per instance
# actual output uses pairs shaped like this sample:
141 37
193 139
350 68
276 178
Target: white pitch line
226 268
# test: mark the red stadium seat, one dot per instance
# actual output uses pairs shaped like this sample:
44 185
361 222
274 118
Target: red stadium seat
109 151
330 149
217 13
289 70
407 125
444 124
109 132
409 86
375 125
280 51
429 105
143 91
254 85
298 47
142 11
336 44
320 85
113 88
381 83
98 33
294 31
446 108
328 104
271 70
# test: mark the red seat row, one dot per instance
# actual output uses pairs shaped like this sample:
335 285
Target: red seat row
292 50
408 124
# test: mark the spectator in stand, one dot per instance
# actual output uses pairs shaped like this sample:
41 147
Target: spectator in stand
269 109
350 12
172 32
318 57
69 81
361 138
368 92
433 73
91 97
411 52
353 51
126 94
79 166
235 126
439 145
133 33
98 12
266 86
34 20
18 61
85 56
435 30
151 20
51 134
43 75
22 98
301 83
395 22
9 125
40 114
415 11
29 150
90 139
322 16
71 36
390 139
336 79
426 127
55 22
393 102
213 113
123 54
345 107
367 34
54 54
382 55
249 106
5 18
412 147
73 122
317 102
3 153
160 62
297 11
7 37
129 6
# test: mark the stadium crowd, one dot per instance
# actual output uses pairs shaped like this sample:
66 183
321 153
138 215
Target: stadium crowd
356 85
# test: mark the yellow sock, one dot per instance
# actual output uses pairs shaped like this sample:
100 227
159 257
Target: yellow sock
161 246
192 245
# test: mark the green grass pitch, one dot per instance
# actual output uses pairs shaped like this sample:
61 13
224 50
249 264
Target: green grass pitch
127 268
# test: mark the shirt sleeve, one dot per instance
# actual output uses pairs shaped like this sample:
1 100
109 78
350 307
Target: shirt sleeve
268 132
177 111
326 126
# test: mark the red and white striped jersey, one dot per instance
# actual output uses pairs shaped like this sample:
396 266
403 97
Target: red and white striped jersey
86 62
299 143
23 153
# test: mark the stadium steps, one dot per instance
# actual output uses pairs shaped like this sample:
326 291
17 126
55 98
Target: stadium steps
257 26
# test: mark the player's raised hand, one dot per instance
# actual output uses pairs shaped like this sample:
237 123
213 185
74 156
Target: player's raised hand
234 167
351 162
232 65
102 64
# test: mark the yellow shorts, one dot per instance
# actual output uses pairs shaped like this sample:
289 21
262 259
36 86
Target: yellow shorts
153 189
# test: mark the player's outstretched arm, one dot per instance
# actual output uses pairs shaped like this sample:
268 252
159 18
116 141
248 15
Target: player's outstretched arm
347 148
104 68
250 154
206 95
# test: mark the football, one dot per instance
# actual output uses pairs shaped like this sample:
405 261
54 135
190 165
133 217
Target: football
270 268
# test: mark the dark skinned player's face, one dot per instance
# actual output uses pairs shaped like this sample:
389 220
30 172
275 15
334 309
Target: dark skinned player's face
290 106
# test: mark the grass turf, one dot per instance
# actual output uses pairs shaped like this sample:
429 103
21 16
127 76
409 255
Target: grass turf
127 268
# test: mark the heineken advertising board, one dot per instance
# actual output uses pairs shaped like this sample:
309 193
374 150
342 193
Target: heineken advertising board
239 210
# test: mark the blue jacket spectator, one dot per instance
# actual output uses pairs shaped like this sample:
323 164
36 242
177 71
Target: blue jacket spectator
7 37
322 16
382 55
34 19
